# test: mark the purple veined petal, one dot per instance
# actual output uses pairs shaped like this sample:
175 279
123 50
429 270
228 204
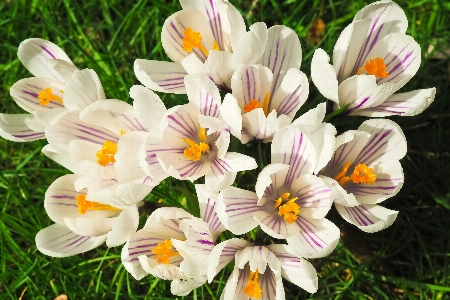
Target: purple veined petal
251 83
387 184
269 180
204 94
58 241
182 123
387 142
207 201
167 219
402 56
35 53
235 209
177 165
40 119
198 241
220 175
163 271
132 264
317 238
324 76
173 33
13 128
338 194
385 18
26 93
83 89
293 147
70 127
219 70
368 217
161 76
314 196
401 104
282 52
275 225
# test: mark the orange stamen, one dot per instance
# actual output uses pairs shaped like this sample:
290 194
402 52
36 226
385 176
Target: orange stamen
46 95
375 67
193 39
164 251
252 288
85 205
361 174
106 155
194 151
256 104
289 210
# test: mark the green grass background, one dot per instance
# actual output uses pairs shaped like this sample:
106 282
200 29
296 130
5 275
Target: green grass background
409 260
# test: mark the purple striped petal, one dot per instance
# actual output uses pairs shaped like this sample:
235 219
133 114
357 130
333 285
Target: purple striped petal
13 128
317 238
58 241
251 83
368 217
198 242
182 123
203 93
275 225
291 94
207 202
314 196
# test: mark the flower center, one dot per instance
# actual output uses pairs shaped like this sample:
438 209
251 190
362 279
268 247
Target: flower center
85 205
106 155
164 251
289 210
361 174
194 151
193 39
252 288
375 67
256 104
46 95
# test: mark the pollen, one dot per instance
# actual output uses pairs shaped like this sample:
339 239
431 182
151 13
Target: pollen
361 174
289 210
46 95
375 67
195 150
257 104
163 252
106 155
252 289
193 39
85 205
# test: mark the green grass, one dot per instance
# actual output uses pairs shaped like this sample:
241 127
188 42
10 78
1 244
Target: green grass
409 260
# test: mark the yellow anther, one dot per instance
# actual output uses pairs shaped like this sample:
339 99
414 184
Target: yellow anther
215 45
106 155
252 288
164 251
194 151
375 67
85 205
193 39
202 134
289 210
256 104
122 132
361 174
46 95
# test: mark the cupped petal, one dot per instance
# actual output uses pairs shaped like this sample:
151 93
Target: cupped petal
160 76
282 52
250 47
207 201
314 196
324 138
64 68
124 227
275 225
235 209
401 104
62 158
40 119
259 126
291 94
123 195
131 262
293 147
270 179
324 76
83 89
219 69
312 119
295 269
204 94
84 153
258 258
317 238
89 227
338 194
58 241
14 128
368 217
193 275
231 114
173 32
34 54
26 93
198 242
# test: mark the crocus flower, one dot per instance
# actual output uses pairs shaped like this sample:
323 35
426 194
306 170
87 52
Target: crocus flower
258 270
206 37
57 88
365 170
289 203
372 59
82 221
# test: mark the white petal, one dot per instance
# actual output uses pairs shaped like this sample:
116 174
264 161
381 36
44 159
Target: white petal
83 89
324 75
368 217
131 262
13 128
63 158
204 94
231 114
89 227
160 76
124 227
338 194
323 139
207 202
314 196
58 241
275 225
149 107
40 119
219 69
271 177
250 47
312 119
257 125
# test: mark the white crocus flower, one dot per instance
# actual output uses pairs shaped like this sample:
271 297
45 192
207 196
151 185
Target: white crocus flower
366 171
174 245
207 38
258 270
57 88
289 203
82 221
372 59
194 139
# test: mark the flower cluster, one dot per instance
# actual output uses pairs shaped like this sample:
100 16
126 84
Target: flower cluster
243 86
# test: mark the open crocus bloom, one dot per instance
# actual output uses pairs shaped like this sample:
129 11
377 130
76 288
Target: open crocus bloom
289 202
258 270
172 245
58 87
82 222
365 170
206 37
194 139
372 59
